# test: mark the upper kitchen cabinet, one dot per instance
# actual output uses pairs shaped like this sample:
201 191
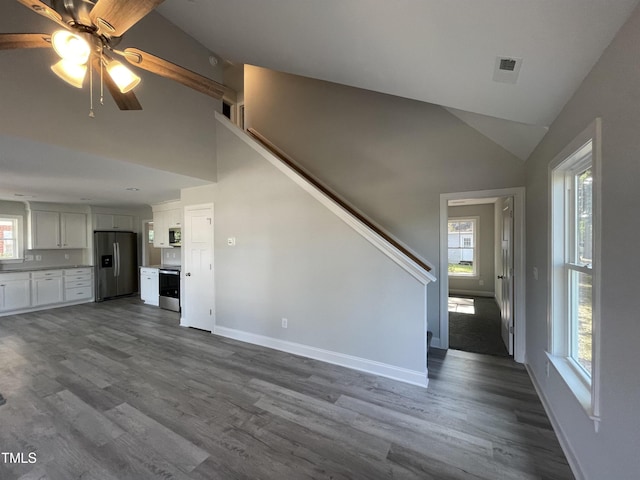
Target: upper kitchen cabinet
165 216
104 221
57 229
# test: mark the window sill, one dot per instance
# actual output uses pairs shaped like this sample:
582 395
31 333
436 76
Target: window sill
576 383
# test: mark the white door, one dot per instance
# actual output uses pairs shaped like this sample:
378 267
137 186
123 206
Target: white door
198 306
506 277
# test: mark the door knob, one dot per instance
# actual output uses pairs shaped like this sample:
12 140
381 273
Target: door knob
188 274
501 277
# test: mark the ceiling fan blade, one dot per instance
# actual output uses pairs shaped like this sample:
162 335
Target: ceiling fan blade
10 41
175 72
114 17
42 9
124 101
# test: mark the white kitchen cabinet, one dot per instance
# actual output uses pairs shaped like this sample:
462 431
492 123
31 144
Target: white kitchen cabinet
45 230
78 284
174 217
15 291
161 229
47 287
104 221
149 286
73 230
53 230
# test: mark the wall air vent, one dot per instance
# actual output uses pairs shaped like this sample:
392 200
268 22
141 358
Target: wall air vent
507 69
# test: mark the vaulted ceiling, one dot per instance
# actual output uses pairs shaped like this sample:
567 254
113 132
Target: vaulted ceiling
441 52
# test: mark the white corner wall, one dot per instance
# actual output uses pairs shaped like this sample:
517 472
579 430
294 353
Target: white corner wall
610 91
345 301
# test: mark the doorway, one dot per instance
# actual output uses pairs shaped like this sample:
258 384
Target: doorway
150 254
482 272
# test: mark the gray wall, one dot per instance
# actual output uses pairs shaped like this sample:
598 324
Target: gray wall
611 91
296 259
388 156
486 250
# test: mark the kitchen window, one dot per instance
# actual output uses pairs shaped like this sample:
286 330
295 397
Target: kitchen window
10 237
574 287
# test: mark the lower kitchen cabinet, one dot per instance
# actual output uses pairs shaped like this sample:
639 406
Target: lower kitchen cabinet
15 291
42 289
149 286
77 285
47 287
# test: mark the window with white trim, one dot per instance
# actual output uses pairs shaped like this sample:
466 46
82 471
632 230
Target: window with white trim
10 237
574 347
462 244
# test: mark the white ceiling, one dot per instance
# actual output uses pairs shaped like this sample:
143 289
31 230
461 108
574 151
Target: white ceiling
441 52
46 173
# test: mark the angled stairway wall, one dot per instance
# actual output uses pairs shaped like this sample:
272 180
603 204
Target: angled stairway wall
346 301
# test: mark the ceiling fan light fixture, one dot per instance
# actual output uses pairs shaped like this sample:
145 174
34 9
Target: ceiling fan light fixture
71 47
124 78
70 72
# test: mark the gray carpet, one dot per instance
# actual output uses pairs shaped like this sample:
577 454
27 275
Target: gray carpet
475 327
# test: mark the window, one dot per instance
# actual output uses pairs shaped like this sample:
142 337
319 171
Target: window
574 268
10 237
463 234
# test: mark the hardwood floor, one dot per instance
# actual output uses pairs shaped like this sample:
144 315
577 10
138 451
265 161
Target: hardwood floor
118 391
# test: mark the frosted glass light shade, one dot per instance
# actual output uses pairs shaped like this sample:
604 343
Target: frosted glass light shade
70 47
70 72
124 78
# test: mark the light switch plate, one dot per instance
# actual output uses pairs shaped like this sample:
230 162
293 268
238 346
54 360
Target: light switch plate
231 241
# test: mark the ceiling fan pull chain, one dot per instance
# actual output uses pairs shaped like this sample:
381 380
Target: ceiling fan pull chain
91 114
101 79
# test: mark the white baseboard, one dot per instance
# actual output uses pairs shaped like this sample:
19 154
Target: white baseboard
472 293
413 377
562 438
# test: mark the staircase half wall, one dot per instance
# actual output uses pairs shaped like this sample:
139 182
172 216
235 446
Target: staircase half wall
348 299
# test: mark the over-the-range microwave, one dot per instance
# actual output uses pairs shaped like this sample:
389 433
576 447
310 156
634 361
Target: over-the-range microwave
175 237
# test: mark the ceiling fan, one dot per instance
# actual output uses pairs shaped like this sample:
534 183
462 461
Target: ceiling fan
90 32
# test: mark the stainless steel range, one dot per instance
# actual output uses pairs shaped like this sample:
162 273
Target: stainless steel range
169 279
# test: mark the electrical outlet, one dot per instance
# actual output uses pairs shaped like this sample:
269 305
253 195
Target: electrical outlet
66 256
285 323
481 283
38 258
28 258
231 241
535 273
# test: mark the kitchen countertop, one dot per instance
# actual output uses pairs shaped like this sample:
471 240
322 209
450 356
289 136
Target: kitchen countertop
165 267
38 269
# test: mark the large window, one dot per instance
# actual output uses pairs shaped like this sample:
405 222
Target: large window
574 266
462 243
10 237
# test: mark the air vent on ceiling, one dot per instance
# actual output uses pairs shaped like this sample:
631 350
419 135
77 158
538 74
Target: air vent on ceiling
507 69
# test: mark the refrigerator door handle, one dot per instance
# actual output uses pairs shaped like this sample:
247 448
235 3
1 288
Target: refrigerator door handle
116 260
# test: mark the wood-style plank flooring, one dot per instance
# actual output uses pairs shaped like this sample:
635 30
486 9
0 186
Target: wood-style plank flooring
119 391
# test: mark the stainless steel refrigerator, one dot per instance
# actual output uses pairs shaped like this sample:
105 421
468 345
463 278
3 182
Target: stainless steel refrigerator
116 263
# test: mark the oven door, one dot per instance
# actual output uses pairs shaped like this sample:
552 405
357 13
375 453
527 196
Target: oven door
169 281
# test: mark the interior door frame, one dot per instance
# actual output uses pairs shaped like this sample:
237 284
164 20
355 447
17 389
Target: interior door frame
519 274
